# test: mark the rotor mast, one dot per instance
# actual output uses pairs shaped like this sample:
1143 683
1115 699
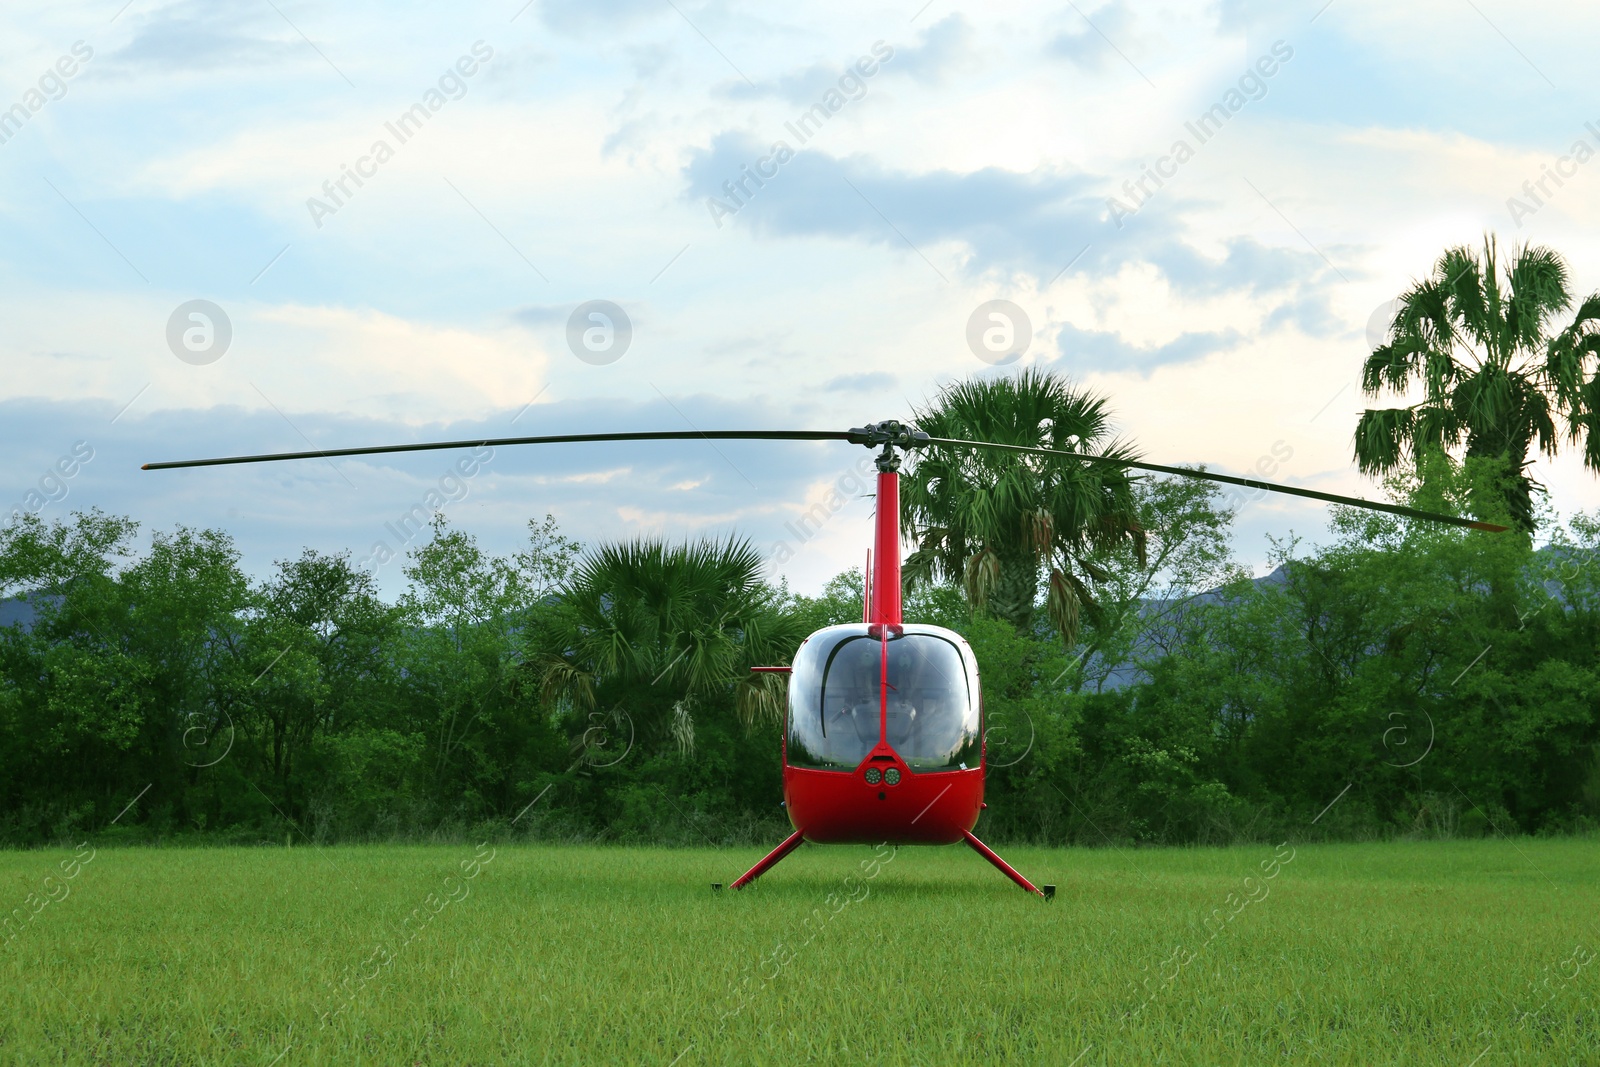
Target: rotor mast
883 583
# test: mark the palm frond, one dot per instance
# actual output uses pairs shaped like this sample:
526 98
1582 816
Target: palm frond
981 576
975 514
1062 605
1382 437
659 621
1538 278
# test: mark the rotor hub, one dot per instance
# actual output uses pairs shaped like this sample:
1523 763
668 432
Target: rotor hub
890 435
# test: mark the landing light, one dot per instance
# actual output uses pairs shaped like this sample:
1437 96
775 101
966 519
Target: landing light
874 776
892 775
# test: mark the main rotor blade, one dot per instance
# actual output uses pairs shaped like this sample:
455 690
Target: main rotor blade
650 435
1251 483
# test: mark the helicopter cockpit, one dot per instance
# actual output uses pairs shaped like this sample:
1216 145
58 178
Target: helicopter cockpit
929 712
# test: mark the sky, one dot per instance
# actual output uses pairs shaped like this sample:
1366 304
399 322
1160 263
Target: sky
398 220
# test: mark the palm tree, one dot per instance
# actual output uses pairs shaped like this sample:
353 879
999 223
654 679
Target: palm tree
996 521
650 626
1477 336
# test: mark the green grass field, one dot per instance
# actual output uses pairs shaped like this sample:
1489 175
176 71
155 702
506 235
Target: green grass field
1452 953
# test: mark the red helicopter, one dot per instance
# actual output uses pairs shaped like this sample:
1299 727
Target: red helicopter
884 735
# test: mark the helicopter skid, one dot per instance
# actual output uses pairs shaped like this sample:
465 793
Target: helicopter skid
1005 868
770 860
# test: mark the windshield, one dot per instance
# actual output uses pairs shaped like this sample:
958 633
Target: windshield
835 706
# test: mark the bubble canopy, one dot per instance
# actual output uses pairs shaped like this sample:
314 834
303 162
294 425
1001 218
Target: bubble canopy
929 713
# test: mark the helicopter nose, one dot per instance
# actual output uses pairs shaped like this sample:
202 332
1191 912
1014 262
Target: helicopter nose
883 771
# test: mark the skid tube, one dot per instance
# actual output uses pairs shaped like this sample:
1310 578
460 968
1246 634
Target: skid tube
770 860
796 839
1047 893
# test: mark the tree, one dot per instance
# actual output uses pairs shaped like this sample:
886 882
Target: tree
121 667
1149 602
74 698
180 618
318 665
993 521
648 625
467 612
1477 337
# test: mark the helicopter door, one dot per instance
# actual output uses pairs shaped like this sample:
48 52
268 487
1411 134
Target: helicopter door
933 714
834 690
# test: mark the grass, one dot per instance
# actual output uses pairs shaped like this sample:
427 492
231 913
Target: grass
1452 953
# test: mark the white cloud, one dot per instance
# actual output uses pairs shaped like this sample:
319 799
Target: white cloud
66 345
1216 330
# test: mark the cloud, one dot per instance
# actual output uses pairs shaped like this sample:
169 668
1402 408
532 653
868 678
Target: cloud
1087 49
292 356
847 383
1382 140
944 46
941 48
579 16
391 364
196 35
539 316
801 87
1310 314
1261 17
1036 222
1104 350
1246 266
